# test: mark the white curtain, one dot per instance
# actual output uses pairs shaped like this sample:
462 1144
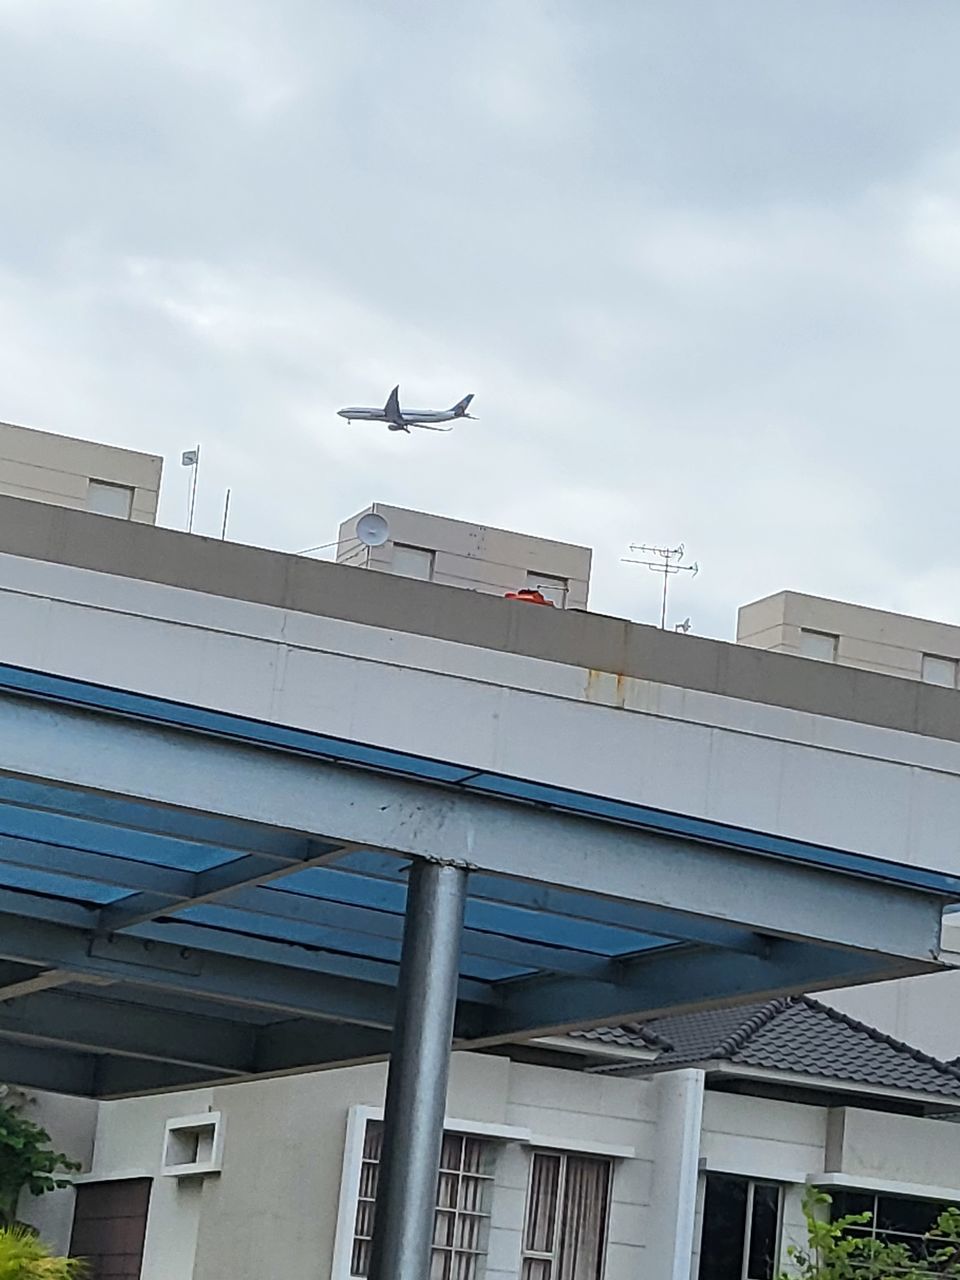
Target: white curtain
583 1219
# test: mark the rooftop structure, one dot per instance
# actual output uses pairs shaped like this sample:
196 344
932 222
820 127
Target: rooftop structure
455 553
82 474
852 635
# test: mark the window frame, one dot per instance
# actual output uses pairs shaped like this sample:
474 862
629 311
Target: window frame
553 1255
501 1134
751 1185
832 636
463 1175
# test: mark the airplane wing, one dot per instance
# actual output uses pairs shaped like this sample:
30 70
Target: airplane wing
425 426
391 410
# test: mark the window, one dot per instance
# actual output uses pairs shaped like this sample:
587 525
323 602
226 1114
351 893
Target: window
109 499
939 671
819 644
741 1229
459 1231
893 1219
551 587
412 562
566 1223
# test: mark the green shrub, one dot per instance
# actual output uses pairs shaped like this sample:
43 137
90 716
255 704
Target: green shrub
833 1251
23 1256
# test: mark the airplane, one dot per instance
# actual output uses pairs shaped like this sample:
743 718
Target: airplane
398 419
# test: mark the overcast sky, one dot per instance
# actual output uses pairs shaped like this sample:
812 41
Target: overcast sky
699 260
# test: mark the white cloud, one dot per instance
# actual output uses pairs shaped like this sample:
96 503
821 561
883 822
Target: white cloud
698 268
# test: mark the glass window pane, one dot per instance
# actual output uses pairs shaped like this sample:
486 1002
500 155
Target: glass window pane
373 1140
443 1228
451 1151
369 1175
440 1265
916 1217
412 562
474 1152
468 1232
536 1269
464 1266
447 1191
360 1258
542 1204
724 1222
364 1221
471 1193
939 671
818 644
764 1230
844 1203
109 499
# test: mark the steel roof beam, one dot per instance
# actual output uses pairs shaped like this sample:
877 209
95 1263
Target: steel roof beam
295 991
88 1024
367 925
780 896
210 885
667 982
663 923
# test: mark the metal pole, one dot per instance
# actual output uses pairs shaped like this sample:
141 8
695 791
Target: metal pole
419 1067
226 513
193 491
663 606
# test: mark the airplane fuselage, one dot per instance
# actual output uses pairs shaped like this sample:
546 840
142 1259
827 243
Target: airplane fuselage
411 417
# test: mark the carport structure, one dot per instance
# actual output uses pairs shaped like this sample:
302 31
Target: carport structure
189 896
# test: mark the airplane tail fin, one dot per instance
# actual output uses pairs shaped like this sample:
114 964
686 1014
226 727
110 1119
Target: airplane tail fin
391 410
461 407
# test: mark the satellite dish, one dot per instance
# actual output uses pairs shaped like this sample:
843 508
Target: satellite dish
372 530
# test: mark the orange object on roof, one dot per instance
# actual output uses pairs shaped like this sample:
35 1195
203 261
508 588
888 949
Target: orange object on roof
529 596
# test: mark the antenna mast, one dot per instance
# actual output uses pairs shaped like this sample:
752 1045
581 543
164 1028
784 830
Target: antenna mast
666 561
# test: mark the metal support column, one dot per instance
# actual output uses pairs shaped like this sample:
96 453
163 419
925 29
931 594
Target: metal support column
419 1067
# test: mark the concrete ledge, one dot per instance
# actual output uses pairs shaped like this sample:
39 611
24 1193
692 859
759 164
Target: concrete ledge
591 641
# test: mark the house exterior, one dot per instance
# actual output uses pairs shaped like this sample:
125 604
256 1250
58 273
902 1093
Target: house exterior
576 1157
675 1149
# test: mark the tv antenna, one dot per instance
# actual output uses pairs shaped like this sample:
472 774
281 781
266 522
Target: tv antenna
667 561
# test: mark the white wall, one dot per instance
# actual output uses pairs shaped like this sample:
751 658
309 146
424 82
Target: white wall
71 1123
273 1210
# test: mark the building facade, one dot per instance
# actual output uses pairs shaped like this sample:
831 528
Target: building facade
853 635
82 474
455 553
680 1149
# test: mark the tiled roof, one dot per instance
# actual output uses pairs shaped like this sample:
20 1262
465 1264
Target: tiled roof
794 1034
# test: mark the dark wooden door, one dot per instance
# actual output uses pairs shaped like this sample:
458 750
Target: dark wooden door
109 1226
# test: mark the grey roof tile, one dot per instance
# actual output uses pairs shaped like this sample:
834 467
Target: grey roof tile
794 1034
